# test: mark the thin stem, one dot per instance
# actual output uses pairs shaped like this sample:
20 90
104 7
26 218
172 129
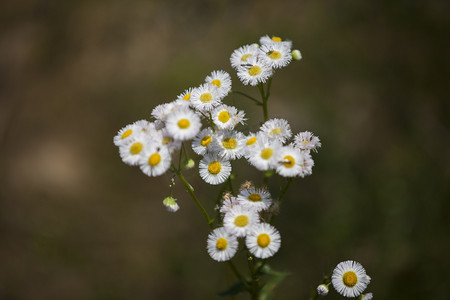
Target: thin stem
264 98
249 97
230 185
281 196
238 275
255 287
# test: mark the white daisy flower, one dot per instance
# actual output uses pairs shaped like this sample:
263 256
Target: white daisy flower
290 162
307 141
368 296
278 129
240 220
171 204
226 117
263 240
322 290
275 55
256 199
186 95
350 279
214 169
250 144
254 71
267 40
132 151
203 141
264 156
126 133
239 56
228 204
183 124
221 80
155 161
205 98
221 245
229 144
307 164
161 111
162 138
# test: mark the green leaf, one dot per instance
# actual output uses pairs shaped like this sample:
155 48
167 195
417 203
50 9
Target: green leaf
235 289
270 285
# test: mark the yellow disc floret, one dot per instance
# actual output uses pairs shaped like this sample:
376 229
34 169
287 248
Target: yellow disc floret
274 55
254 197
224 116
206 140
154 159
276 131
241 221
289 161
229 143
251 141
245 56
136 148
166 140
184 123
214 167
255 70
126 134
263 240
216 82
187 97
276 39
266 153
350 279
206 97
221 244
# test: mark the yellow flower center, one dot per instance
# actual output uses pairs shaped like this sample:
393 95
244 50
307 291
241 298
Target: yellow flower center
251 141
154 159
263 240
266 153
305 142
224 116
216 82
136 148
276 131
245 56
229 143
187 97
206 140
289 161
184 123
126 133
221 244
274 54
254 197
241 221
276 39
350 279
255 70
206 97
166 140
214 167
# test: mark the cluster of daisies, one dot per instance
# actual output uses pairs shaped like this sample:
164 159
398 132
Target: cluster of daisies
242 218
349 279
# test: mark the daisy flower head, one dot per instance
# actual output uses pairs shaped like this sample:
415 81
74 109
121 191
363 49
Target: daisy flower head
227 117
254 71
171 204
349 278
162 138
221 80
240 220
132 151
126 133
161 111
221 245
250 143
263 240
307 164
264 156
307 141
239 56
275 55
256 199
155 161
214 169
183 124
229 144
277 129
267 40
186 95
203 141
205 98
228 203
368 296
290 162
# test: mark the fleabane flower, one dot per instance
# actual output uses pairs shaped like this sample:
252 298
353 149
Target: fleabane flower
205 98
240 220
275 40
264 155
291 162
250 143
227 117
322 290
307 141
155 161
254 71
229 144
221 245
162 138
203 141
239 56
256 199
183 124
214 169
186 95
368 296
171 204
161 111
275 55
349 278
277 129
126 133
263 240
228 203
131 151
221 80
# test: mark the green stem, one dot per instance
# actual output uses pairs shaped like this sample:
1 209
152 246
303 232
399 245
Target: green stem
248 97
283 191
254 286
238 275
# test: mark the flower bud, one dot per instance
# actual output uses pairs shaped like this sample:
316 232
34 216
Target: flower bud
296 54
189 164
171 204
322 290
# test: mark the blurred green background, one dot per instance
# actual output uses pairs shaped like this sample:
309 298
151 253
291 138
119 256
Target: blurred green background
77 223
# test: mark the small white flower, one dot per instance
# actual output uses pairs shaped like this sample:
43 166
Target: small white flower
155 161
240 220
227 117
368 296
186 95
307 141
266 40
263 240
264 156
349 278
214 169
277 129
126 133
256 199
254 71
322 290
229 144
239 56
161 138
183 124
161 111
203 141
132 151
228 204
205 98
171 204
221 80
290 162
221 245
250 144
275 55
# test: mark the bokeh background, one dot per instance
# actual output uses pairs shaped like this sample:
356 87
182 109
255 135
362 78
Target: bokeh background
77 223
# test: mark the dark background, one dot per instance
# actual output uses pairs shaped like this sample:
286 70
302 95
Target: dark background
77 223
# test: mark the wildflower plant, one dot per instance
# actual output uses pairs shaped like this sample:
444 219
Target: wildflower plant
201 119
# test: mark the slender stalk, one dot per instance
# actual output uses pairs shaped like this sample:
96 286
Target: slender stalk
253 272
238 275
249 97
230 185
283 191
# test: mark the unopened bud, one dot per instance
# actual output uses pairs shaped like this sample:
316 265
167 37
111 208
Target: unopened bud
189 164
322 290
171 204
296 54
